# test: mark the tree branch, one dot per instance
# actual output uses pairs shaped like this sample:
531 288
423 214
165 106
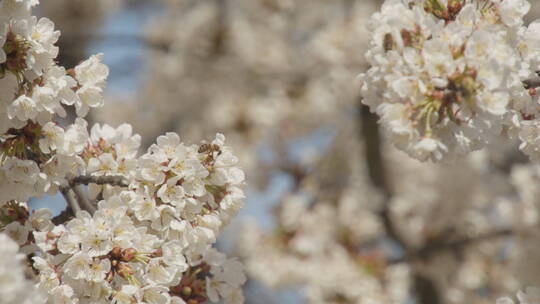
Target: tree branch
532 83
425 290
75 196
71 39
119 181
63 217
440 246
71 209
83 199
375 165
68 194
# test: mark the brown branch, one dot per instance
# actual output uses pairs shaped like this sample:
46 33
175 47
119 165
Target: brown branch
72 39
376 170
437 247
425 290
119 181
63 217
221 30
531 83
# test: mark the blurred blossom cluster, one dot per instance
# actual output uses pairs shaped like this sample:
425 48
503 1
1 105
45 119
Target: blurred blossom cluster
257 71
453 226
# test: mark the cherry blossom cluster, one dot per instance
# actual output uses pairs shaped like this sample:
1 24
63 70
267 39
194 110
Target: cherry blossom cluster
111 256
143 229
148 242
447 76
36 153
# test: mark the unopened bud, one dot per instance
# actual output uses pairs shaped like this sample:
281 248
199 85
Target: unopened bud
116 252
186 291
128 254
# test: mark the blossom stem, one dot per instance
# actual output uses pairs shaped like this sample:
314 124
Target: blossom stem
428 120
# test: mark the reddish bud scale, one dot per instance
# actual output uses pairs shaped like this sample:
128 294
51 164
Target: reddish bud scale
158 253
527 116
439 95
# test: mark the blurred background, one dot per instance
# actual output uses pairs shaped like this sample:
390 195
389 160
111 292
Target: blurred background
334 214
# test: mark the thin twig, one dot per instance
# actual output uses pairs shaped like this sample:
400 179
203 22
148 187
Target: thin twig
74 195
100 180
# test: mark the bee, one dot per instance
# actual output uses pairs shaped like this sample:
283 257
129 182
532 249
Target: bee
388 42
209 148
